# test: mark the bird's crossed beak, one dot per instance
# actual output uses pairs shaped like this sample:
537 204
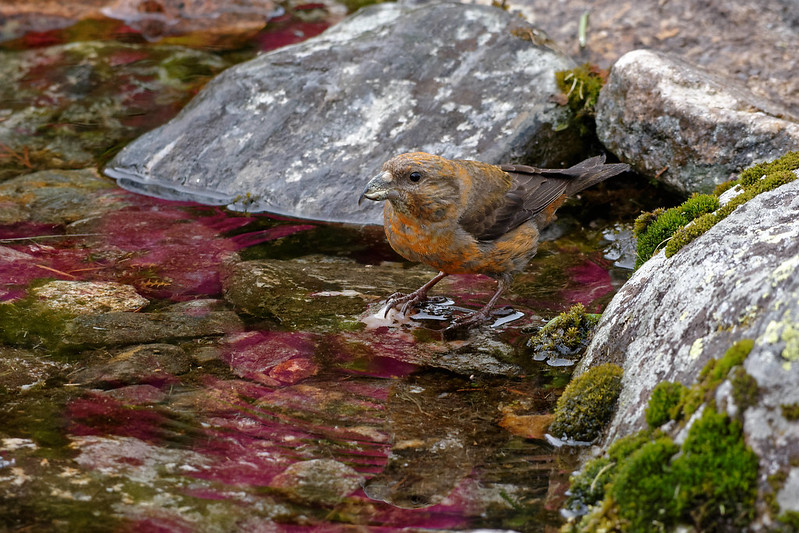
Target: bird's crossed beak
378 188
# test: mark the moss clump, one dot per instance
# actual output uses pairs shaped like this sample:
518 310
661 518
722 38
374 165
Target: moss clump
653 232
670 227
664 403
716 472
790 411
580 87
565 336
714 372
588 486
709 481
744 389
27 323
587 403
644 486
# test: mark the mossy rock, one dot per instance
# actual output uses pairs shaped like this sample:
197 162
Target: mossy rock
587 404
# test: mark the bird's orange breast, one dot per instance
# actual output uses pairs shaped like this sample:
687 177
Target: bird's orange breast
447 247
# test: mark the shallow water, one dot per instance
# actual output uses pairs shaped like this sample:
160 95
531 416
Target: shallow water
199 413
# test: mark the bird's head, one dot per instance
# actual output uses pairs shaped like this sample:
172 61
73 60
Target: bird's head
418 184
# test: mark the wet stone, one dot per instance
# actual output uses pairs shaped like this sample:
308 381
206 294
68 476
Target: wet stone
88 297
109 329
322 481
150 363
57 197
313 293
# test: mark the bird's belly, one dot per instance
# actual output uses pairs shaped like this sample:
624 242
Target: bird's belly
452 250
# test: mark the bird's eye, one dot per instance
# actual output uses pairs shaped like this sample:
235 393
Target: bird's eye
415 176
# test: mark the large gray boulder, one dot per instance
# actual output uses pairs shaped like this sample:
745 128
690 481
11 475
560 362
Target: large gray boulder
740 280
685 126
300 130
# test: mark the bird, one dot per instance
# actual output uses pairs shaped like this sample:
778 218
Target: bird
468 217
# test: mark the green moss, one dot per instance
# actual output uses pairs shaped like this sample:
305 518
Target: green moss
716 472
588 486
669 227
645 487
790 519
664 403
790 411
654 234
646 482
712 374
566 335
587 403
688 233
580 87
709 481
744 389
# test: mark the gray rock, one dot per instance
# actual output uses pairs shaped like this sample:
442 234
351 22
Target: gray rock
300 130
737 281
685 126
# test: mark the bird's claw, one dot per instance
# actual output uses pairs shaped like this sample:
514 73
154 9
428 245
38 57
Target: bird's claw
406 300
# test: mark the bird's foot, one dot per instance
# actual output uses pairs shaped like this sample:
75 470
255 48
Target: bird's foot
407 301
475 319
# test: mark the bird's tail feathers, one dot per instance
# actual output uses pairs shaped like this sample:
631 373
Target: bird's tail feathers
590 172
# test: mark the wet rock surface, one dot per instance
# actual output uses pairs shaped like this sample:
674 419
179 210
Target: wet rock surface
685 126
447 93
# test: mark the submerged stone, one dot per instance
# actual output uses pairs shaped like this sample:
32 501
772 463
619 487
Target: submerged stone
322 481
150 363
286 134
68 105
110 329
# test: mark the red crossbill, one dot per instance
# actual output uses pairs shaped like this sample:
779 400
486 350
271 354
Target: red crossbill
468 217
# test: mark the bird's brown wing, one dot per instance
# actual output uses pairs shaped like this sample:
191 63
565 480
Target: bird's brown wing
532 190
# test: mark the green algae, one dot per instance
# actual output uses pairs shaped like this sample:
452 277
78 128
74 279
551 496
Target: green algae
587 403
674 228
27 323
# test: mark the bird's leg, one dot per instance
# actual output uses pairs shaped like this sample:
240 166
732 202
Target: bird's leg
478 317
408 300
